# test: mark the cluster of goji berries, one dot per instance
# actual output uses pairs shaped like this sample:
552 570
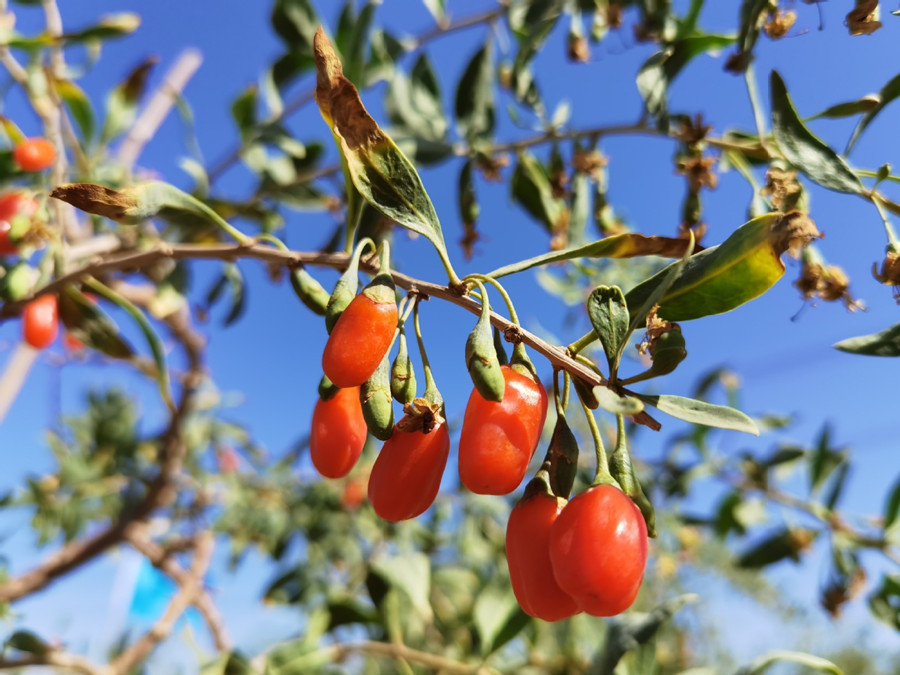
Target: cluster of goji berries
585 555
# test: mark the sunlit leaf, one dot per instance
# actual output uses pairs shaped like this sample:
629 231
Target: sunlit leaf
888 93
885 343
701 412
762 664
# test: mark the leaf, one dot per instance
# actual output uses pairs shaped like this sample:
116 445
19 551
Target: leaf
608 313
618 405
803 150
531 188
26 641
121 107
823 460
885 343
438 9
89 324
701 412
234 280
782 544
849 108
378 169
79 106
888 93
410 573
475 114
672 272
884 603
492 612
658 72
414 103
617 246
763 663
243 111
109 27
837 486
628 631
892 506
721 278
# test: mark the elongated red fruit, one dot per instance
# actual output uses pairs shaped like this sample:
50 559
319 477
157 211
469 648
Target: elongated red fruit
498 438
598 548
528 555
337 434
407 473
361 337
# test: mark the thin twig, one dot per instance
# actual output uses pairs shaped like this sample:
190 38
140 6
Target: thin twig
151 118
14 376
402 652
190 586
55 659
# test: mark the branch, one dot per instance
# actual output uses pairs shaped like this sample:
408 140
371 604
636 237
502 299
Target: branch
400 652
160 493
161 559
55 659
190 588
150 119
231 252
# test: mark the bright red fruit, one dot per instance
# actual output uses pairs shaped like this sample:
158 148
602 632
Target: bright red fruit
13 204
359 340
407 473
40 321
337 434
499 438
34 154
528 555
598 548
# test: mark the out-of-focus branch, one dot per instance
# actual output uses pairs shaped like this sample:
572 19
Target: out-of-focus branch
150 119
55 659
190 586
160 493
161 558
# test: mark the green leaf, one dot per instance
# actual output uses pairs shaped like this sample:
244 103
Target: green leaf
475 113
531 188
803 150
414 103
411 574
672 272
243 110
617 246
701 412
85 321
232 663
26 641
493 610
438 9
849 108
721 278
352 38
378 169
608 313
658 72
628 631
295 22
833 495
121 107
232 279
780 545
79 106
892 505
763 663
823 460
888 93
884 603
109 27
618 405
885 343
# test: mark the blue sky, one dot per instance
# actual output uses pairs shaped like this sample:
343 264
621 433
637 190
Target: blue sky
271 357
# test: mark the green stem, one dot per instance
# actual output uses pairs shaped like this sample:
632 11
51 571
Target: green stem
565 393
560 408
431 391
583 341
602 476
865 173
272 239
502 291
888 228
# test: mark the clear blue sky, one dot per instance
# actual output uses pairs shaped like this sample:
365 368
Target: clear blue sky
272 356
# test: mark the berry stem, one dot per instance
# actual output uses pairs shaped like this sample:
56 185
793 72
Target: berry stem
602 475
432 394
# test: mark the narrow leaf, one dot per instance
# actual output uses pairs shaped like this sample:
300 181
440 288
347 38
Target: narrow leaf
79 106
701 412
475 112
618 405
849 108
805 151
884 603
885 343
892 506
780 545
762 664
531 188
411 574
617 246
888 93
89 324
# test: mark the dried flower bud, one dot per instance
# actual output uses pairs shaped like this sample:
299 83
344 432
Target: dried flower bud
779 23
